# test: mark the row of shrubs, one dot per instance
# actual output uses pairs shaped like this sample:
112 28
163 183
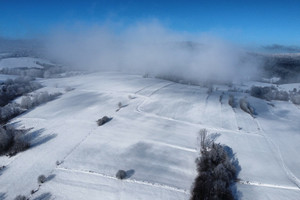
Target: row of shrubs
36 99
243 103
216 172
13 109
10 111
272 93
269 93
10 89
246 107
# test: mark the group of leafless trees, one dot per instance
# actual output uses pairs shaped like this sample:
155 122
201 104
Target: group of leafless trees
30 101
216 171
243 103
246 107
269 93
12 141
9 111
13 109
10 89
295 96
272 93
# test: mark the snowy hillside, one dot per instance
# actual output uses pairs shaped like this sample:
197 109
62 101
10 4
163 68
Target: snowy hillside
22 62
153 137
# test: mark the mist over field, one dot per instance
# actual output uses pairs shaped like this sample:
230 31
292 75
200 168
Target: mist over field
151 48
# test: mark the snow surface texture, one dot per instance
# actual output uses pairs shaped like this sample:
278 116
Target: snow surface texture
153 137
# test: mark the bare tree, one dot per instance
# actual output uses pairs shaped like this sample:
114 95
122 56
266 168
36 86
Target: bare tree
231 101
202 139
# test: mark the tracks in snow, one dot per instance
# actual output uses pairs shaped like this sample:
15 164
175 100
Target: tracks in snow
253 183
139 110
78 144
148 86
10 160
276 149
173 146
259 132
157 185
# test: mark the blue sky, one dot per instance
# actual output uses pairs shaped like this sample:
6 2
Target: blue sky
247 22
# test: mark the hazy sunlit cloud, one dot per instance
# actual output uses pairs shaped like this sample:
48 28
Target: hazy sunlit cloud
150 48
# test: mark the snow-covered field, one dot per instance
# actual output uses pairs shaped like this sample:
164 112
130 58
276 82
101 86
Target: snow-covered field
26 62
153 137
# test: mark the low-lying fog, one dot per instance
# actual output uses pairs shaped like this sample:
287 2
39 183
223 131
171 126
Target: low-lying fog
151 48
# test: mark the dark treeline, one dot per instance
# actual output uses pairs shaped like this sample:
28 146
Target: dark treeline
286 67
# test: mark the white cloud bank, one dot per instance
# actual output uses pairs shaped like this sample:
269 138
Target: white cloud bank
151 48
